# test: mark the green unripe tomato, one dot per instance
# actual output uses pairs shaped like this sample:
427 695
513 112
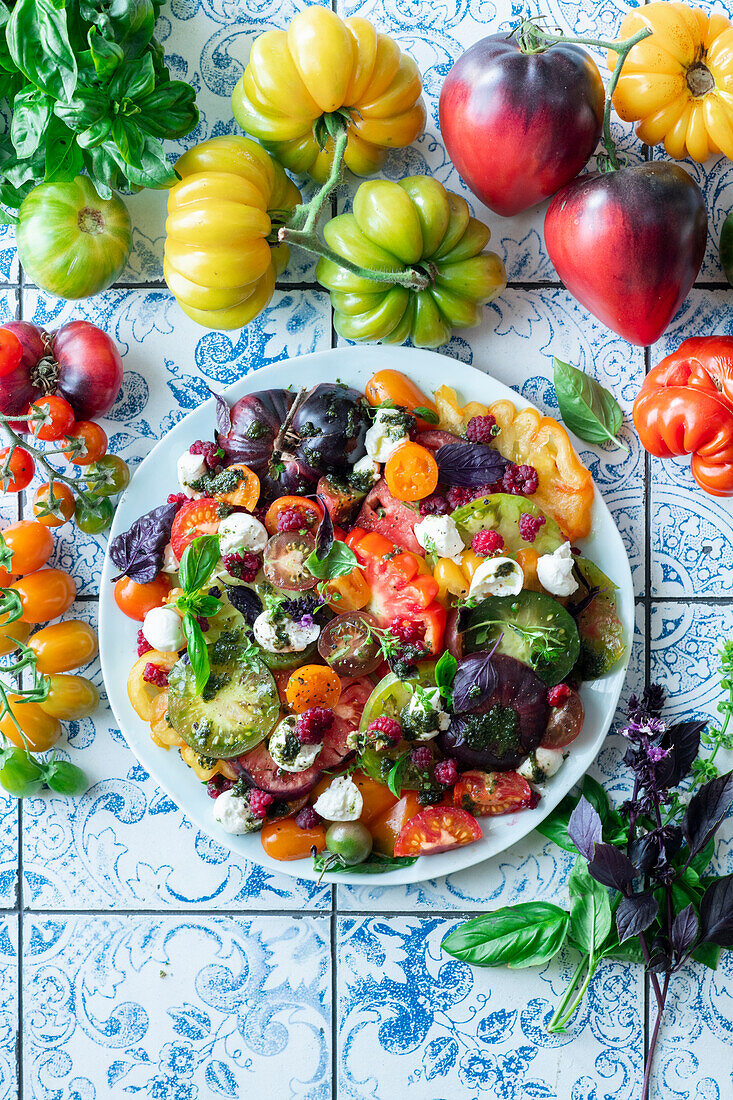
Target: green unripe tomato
71 242
350 840
95 517
65 778
116 474
20 775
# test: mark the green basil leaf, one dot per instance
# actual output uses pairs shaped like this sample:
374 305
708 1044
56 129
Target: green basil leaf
527 934
590 911
396 772
587 408
198 562
38 39
205 605
106 55
132 23
129 140
428 415
555 825
133 79
375 864
708 954
596 795
338 562
31 115
64 158
628 951
699 862
445 672
169 111
198 654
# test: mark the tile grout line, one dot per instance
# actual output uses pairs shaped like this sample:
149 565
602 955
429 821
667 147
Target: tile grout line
19 884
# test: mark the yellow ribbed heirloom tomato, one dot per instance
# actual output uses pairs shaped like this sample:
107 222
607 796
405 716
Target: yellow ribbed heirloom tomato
219 262
414 225
322 68
678 83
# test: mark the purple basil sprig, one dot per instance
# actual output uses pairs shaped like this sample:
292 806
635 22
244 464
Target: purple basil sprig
138 552
470 465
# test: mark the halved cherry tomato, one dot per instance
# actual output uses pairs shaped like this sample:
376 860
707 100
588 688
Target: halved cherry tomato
198 517
135 600
284 561
21 468
61 647
11 352
311 511
12 633
41 730
70 697
377 799
488 794
45 594
247 492
437 829
94 443
58 418
30 545
282 839
565 722
387 826
411 472
58 513
313 686
349 592
349 646
394 386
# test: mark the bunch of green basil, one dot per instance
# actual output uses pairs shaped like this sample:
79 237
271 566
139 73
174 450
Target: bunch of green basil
88 90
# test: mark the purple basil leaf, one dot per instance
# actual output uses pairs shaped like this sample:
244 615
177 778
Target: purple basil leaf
645 852
659 956
138 552
612 867
470 464
223 414
585 828
684 930
716 912
324 534
707 809
245 600
635 914
683 739
474 681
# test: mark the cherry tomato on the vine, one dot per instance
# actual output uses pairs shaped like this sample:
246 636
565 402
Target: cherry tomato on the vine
108 476
93 439
45 594
63 646
135 600
62 509
20 775
12 633
41 730
19 472
30 545
58 418
70 697
11 352
93 516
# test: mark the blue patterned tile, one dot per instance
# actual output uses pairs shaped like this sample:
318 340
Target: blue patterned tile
8 1007
9 269
413 1021
175 1009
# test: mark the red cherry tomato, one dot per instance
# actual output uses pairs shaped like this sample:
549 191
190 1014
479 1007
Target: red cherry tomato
198 517
19 472
437 829
11 352
488 794
135 600
93 439
58 418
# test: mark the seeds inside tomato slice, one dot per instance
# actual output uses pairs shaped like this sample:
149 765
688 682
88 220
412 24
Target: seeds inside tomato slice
437 829
198 517
487 794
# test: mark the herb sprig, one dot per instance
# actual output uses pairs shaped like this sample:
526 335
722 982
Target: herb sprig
198 562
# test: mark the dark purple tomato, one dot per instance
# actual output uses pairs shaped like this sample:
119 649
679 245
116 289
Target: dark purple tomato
330 425
284 561
348 644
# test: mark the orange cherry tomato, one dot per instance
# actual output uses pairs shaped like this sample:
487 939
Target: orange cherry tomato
349 592
94 443
311 510
488 794
62 509
45 594
387 826
61 647
283 839
198 517
247 492
21 468
313 686
394 386
70 697
135 600
411 472
12 633
437 829
377 798
31 545
41 730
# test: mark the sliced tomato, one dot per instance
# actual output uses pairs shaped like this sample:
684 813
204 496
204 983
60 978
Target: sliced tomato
198 517
488 794
347 713
310 510
437 829
565 722
390 517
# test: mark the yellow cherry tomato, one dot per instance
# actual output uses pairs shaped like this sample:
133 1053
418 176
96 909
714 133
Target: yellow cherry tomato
41 730
349 592
12 633
323 66
142 694
45 594
61 647
70 697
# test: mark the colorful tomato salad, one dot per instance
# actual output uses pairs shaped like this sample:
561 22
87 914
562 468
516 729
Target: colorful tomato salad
365 621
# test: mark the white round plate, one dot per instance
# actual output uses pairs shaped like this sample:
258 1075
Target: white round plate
156 477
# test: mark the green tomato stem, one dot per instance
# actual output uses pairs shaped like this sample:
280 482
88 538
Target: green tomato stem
563 1014
74 483
410 278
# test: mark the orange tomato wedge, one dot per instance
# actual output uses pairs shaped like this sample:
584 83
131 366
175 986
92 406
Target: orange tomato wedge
411 472
247 492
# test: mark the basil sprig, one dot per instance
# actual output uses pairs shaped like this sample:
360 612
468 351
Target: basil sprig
374 864
197 564
588 409
339 561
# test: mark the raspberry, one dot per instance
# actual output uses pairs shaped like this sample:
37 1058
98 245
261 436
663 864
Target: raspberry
294 519
312 725
487 542
203 623
481 429
154 674
405 630
143 645
259 801
534 800
422 758
529 526
446 771
522 480
557 695
217 785
388 728
178 499
435 505
458 496
243 565
209 451
307 818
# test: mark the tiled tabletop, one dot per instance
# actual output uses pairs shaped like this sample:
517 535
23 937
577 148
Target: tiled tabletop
138 958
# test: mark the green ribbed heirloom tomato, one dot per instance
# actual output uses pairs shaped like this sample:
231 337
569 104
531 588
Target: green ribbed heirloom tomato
416 226
71 242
